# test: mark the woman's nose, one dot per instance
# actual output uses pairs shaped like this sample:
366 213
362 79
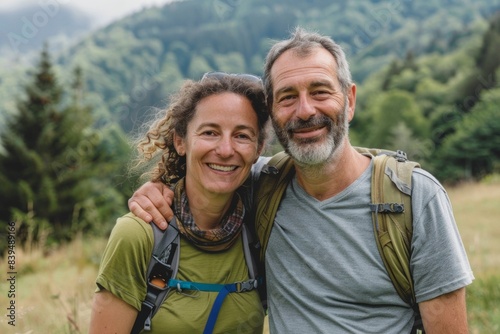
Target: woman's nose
225 147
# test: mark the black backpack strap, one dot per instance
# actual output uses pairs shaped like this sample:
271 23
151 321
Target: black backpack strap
163 266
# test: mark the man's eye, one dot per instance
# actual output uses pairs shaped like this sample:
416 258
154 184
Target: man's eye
287 100
287 97
321 93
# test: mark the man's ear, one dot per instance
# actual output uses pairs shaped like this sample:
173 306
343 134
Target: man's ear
179 144
351 96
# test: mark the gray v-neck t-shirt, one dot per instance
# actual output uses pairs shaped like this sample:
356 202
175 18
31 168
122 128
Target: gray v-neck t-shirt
323 268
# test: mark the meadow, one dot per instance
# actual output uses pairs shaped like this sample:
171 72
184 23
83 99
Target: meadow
54 287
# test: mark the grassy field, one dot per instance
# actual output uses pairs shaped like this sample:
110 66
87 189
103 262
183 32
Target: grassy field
54 288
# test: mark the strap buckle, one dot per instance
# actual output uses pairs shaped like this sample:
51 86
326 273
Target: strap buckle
271 170
401 156
387 207
246 285
160 275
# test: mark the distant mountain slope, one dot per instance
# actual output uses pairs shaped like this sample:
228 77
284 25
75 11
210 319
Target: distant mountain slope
22 34
24 30
134 63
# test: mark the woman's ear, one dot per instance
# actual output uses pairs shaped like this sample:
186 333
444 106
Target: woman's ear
179 144
259 152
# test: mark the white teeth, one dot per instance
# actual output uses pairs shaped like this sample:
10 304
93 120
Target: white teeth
222 168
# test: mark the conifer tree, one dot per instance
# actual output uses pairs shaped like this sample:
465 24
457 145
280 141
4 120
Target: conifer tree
51 160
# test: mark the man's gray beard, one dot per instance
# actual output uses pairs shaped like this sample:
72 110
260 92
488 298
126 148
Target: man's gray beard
313 152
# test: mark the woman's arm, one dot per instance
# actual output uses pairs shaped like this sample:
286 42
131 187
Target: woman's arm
110 314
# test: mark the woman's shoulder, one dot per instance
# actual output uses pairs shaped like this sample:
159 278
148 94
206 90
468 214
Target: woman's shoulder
132 228
131 241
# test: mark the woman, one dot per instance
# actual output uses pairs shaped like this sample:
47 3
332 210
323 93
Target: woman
206 142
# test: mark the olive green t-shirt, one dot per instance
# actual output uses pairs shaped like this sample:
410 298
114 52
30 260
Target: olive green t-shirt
123 271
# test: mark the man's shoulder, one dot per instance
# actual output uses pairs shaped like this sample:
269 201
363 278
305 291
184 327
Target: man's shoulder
423 178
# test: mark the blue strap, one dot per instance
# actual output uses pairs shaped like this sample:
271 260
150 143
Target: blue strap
185 285
232 287
222 289
214 313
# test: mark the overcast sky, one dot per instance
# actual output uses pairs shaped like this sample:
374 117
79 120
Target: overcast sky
104 11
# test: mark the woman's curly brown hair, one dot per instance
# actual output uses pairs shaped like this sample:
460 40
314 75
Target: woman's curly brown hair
158 143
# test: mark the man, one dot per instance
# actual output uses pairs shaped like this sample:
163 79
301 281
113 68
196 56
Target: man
324 273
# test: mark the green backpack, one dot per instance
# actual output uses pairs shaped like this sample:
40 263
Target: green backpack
391 212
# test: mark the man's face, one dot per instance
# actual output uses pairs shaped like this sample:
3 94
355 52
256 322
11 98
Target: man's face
310 112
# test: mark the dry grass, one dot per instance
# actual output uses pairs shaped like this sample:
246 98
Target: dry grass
54 290
477 211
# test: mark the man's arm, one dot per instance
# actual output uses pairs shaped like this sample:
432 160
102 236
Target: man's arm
445 314
152 202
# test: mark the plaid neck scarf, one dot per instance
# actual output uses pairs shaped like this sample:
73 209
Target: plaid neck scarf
214 240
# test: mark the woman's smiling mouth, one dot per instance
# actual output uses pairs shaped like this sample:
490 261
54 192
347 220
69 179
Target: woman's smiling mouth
222 168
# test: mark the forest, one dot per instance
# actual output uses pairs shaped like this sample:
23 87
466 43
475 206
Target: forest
427 76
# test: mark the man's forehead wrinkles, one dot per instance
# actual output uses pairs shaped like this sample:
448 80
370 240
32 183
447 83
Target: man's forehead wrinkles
288 83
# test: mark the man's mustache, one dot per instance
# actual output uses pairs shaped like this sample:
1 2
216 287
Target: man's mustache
316 121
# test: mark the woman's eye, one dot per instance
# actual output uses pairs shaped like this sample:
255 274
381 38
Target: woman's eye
208 133
243 136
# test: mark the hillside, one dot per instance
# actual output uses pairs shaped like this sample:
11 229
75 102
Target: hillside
132 64
24 30
155 49
426 65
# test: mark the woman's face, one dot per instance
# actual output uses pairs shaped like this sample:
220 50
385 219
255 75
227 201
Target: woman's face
220 144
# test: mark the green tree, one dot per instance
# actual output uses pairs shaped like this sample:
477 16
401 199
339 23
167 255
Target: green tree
198 67
232 62
401 138
51 164
390 109
473 151
392 70
487 59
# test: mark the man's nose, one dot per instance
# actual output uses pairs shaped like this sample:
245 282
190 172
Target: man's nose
305 109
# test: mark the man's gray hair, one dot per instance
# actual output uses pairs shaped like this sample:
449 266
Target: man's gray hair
303 42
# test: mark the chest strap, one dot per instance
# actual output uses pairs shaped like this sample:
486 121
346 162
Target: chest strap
222 289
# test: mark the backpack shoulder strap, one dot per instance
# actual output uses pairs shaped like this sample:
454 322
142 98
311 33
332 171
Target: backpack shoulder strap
392 218
162 267
274 178
391 211
247 241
